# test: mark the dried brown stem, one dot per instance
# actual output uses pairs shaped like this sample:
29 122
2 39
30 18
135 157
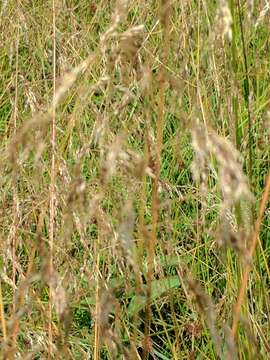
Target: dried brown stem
15 200
52 185
165 18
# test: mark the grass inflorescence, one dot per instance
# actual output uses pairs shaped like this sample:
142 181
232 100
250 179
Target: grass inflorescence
134 220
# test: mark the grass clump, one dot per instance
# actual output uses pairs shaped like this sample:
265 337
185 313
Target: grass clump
134 180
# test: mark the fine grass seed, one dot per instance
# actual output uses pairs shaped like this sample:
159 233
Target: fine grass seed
134 161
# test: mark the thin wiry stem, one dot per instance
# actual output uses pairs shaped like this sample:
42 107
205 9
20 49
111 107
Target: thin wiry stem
235 104
165 18
52 185
254 240
97 311
246 91
2 315
15 200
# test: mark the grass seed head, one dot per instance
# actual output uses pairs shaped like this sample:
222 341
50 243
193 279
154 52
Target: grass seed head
224 20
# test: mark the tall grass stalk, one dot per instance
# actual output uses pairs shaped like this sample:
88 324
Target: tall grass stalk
52 192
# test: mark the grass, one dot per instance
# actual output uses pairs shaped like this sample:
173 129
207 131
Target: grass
134 164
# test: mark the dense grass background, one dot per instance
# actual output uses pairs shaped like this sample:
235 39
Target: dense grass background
126 218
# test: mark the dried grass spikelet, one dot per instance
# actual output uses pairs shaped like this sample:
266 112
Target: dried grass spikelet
125 231
31 100
151 143
99 130
250 8
108 310
223 20
267 126
165 12
145 79
207 308
129 44
235 234
120 50
118 17
109 163
39 122
233 182
58 293
126 99
230 352
64 173
125 237
230 236
4 5
103 318
36 337
133 162
7 257
264 136
68 80
118 156
63 64
77 192
130 41
262 15
21 144
231 179
6 279
199 166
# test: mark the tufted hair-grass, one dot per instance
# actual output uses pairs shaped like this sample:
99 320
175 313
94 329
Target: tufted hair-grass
134 140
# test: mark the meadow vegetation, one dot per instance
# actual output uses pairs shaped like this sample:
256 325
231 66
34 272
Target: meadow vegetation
134 160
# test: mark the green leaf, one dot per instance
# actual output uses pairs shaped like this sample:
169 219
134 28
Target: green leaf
159 288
